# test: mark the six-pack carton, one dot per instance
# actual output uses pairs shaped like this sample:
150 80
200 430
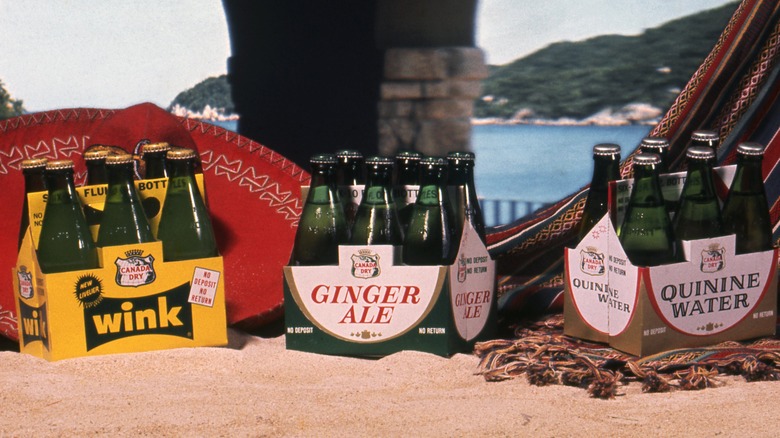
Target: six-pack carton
714 295
133 302
372 305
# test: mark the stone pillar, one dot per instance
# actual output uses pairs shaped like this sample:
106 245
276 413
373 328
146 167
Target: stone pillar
427 98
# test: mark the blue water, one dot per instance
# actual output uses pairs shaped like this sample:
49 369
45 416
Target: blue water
535 164
541 163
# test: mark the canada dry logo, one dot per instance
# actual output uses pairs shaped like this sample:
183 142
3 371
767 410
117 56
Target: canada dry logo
713 258
462 268
25 282
592 261
135 270
365 264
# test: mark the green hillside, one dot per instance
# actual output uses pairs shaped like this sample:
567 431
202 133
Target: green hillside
214 92
579 79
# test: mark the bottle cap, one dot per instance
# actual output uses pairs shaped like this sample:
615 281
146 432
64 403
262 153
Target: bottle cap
700 153
379 161
59 164
180 154
461 155
704 136
433 161
348 154
32 163
323 159
95 154
155 147
655 143
646 159
606 149
408 155
119 159
750 148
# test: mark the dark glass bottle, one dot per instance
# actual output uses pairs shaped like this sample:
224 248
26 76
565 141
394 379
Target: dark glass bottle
699 215
606 168
376 222
646 235
34 171
95 161
658 146
350 172
123 221
465 203
406 184
705 138
65 242
185 226
746 210
323 225
428 240
154 156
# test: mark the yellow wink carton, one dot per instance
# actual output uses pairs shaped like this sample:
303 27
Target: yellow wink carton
133 302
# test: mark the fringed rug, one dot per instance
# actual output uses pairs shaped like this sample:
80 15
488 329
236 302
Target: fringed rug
545 356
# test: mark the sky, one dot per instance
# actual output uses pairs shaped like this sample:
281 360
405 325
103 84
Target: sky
116 53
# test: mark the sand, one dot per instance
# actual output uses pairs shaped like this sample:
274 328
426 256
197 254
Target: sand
255 387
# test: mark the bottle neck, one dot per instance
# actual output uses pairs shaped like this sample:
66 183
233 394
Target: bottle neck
34 180
698 180
748 178
408 174
605 169
182 168
154 163
646 186
96 172
322 187
62 190
432 186
120 174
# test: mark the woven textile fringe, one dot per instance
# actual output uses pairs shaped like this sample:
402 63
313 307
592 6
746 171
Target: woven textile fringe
545 356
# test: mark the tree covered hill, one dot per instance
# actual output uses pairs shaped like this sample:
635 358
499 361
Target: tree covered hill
9 107
213 92
576 80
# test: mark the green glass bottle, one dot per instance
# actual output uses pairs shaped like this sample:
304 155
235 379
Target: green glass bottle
95 162
154 159
376 221
658 146
428 240
705 138
323 225
34 172
123 221
646 235
699 215
406 184
350 172
185 226
606 168
746 210
65 243
463 195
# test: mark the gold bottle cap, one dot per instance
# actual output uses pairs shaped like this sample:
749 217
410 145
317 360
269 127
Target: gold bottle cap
155 147
180 154
59 164
32 163
95 154
119 159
